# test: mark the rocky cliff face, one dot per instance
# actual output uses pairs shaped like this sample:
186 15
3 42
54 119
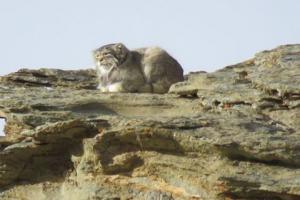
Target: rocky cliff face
231 134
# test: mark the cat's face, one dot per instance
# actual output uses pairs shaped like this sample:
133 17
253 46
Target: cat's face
111 55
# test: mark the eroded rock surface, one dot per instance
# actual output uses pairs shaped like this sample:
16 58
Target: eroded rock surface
231 134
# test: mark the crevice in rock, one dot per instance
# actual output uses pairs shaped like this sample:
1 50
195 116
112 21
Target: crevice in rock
47 163
273 99
216 103
44 155
292 96
50 163
92 108
118 151
277 99
273 92
40 74
44 107
238 189
235 103
32 83
235 153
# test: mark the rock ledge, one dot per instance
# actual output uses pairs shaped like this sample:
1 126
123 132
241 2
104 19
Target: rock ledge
231 134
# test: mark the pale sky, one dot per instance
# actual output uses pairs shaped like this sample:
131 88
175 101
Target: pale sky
1 126
200 34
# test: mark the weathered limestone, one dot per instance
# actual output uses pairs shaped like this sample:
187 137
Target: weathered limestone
231 134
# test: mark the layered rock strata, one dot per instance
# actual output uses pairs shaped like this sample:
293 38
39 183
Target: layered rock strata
230 134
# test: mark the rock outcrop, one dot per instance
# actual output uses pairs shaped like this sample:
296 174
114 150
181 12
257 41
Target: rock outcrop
231 134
